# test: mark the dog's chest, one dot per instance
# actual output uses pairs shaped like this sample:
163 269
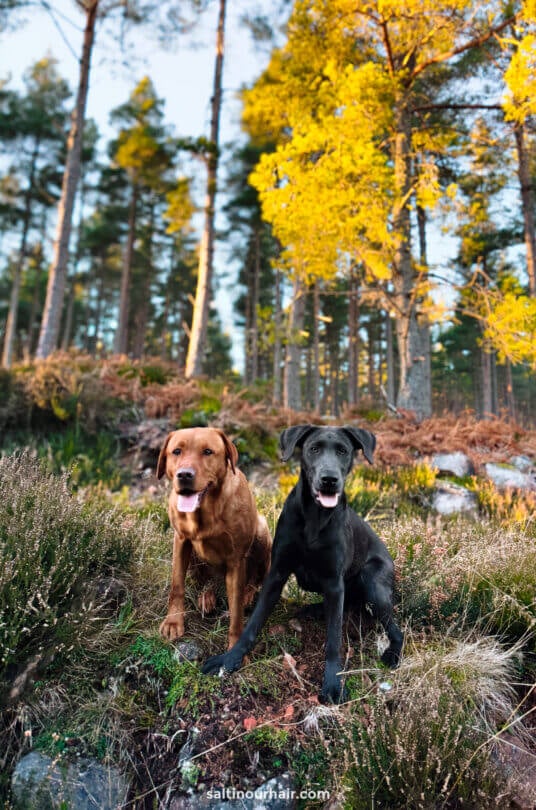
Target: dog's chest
308 578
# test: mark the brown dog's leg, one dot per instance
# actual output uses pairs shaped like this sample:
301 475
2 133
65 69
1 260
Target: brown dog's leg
235 582
173 625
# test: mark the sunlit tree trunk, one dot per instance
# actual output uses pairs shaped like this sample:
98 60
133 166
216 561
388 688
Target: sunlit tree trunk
292 376
527 204
413 391
198 332
353 341
276 397
316 349
50 324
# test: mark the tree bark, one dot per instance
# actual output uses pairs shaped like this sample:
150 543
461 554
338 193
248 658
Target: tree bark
292 377
198 332
50 324
121 334
276 396
527 204
11 325
412 390
353 341
316 349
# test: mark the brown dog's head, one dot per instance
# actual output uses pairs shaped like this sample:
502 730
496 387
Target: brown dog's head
196 460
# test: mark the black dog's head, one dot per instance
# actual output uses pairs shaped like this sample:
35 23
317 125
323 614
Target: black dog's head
327 456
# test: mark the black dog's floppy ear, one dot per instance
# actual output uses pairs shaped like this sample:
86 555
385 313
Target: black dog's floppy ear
363 440
291 438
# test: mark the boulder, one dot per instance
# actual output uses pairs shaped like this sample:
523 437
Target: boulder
457 464
506 476
523 463
41 783
452 499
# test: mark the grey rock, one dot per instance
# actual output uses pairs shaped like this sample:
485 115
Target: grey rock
523 463
505 476
452 499
187 651
40 783
457 463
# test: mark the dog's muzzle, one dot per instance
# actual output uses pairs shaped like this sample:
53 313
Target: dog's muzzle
327 490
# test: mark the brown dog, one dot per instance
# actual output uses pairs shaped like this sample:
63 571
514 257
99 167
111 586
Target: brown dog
214 515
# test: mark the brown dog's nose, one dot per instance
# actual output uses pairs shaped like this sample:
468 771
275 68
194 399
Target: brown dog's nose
186 475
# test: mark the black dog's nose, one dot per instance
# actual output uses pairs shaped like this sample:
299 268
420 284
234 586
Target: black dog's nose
186 475
329 481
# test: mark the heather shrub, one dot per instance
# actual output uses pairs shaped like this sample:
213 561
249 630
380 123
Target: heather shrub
51 548
425 739
460 572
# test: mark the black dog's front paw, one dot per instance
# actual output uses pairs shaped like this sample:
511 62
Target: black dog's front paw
391 657
213 665
332 691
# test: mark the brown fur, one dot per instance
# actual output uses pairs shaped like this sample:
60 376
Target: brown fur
225 535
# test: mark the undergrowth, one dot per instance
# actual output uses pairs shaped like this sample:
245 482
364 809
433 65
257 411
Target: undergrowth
422 736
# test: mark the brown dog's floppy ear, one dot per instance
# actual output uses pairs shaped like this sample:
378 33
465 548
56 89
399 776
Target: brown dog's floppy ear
231 453
293 437
161 466
362 439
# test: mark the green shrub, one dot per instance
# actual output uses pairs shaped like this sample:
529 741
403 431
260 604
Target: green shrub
87 458
51 548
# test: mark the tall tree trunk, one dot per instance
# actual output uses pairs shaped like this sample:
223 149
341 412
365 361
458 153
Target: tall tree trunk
292 377
353 341
412 390
276 396
198 332
527 204
254 344
50 324
121 334
423 322
11 325
487 383
510 396
390 359
35 307
316 348
142 313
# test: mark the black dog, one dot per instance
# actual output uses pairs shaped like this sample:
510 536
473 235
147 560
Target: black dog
328 547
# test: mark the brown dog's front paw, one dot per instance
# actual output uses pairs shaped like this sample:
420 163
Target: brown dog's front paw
172 628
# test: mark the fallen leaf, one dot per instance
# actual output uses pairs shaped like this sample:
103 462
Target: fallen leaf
288 661
249 723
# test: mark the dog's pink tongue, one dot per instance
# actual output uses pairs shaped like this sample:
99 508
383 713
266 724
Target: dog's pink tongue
188 503
329 501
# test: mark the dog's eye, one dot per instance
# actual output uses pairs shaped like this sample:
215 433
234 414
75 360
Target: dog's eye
342 451
207 451
177 451
315 449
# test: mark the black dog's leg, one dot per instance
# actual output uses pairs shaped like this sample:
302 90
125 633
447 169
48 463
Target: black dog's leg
332 691
378 594
232 660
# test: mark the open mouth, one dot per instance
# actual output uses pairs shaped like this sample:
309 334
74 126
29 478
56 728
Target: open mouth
188 501
328 500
